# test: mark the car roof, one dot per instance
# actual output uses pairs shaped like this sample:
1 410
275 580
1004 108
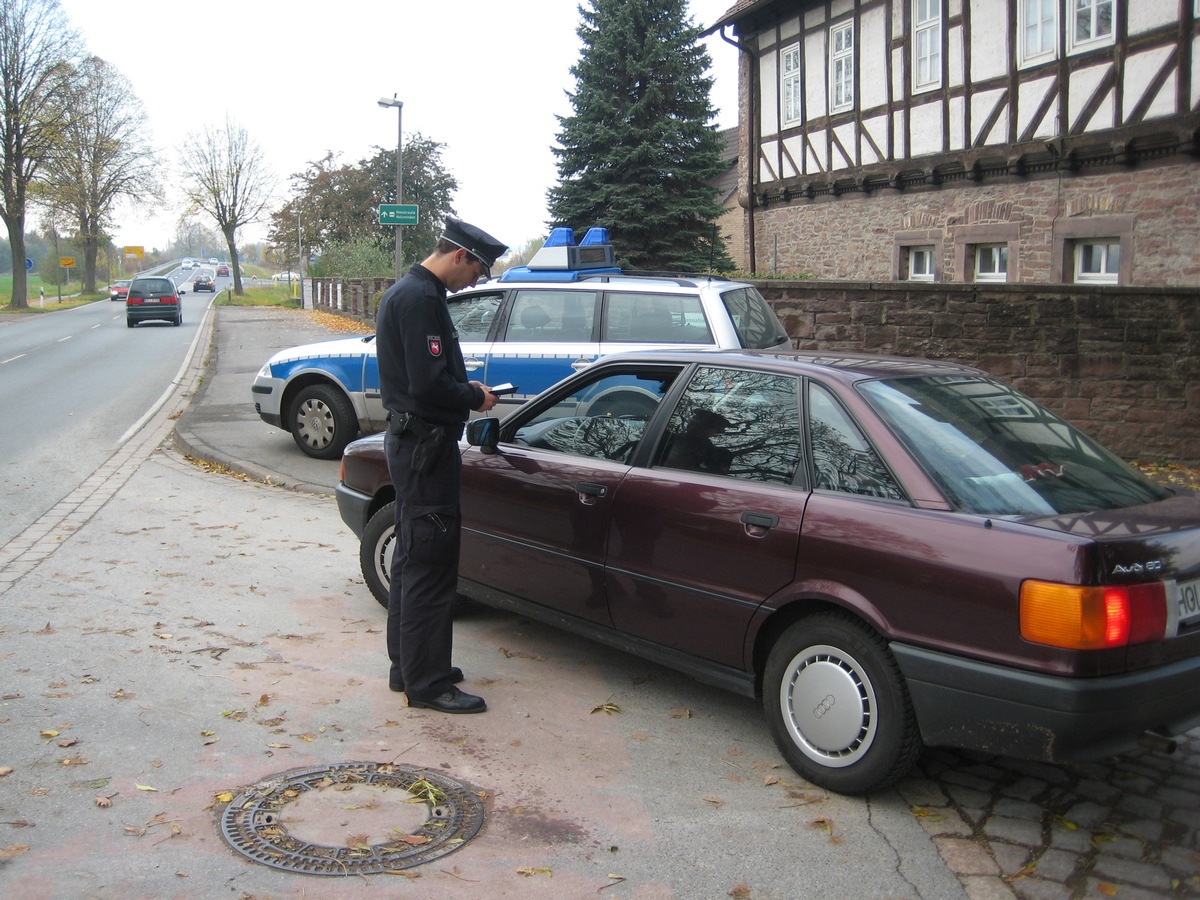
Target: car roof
612 282
847 367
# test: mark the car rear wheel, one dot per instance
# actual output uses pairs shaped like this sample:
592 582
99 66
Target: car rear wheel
129 323
375 552
837 705
322 421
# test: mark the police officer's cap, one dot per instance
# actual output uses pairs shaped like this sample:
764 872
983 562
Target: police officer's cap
475 241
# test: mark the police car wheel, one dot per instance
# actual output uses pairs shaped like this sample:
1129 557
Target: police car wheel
322 421
375 552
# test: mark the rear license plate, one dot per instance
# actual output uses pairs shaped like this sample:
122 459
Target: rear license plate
1189 601
152 300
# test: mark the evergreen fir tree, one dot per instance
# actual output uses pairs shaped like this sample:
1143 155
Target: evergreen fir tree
639 153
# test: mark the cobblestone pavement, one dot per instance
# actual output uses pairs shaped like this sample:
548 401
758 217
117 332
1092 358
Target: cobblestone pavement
1127 827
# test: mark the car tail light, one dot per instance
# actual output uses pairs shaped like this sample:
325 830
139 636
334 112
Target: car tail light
1092 618
134 301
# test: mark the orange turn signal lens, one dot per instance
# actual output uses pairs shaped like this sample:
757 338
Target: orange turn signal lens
1092 618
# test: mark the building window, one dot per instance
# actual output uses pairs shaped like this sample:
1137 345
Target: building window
1098 261
1091 23
920 264
991 262
841 67
1039 31
927 44
789 87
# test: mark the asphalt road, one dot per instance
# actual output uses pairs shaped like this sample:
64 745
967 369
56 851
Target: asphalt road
180 636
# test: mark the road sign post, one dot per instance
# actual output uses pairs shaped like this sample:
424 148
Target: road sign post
398 213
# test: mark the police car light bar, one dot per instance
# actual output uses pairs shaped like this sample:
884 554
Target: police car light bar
560 259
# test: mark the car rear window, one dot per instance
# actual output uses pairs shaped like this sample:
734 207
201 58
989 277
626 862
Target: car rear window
144 286
994 451
756 324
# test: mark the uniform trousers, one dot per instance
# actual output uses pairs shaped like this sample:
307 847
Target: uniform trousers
424 573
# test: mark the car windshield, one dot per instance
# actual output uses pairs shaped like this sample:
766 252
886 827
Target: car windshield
757 326
994 451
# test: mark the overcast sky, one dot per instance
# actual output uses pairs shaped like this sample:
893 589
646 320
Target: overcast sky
486 79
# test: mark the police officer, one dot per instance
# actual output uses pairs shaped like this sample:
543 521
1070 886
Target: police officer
428 397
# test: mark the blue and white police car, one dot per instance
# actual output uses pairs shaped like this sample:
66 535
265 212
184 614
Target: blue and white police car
532 327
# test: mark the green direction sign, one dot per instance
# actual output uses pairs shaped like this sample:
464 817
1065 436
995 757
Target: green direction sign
397 214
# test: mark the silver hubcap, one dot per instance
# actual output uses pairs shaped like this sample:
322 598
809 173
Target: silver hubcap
315 423
383 556
828 706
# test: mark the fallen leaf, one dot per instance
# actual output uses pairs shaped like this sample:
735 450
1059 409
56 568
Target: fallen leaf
529 871
609 708
1107 889
49 733
12 850
134 830
46 630
264 700
1065 823
103 802
166 636
279 746
740 892
208 742
715 801
224 797
73 761
359 841
5 770
415 840
145 787
771 779
68 742
681 712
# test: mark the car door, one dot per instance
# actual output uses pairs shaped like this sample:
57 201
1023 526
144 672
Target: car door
536 512
699 539
548 334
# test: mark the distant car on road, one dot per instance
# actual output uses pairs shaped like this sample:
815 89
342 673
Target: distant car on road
213 261
285 276
118 289
532 327
204 282
222 271
153 298
889 553
187 263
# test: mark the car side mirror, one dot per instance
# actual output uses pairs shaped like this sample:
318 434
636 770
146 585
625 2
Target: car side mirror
484 434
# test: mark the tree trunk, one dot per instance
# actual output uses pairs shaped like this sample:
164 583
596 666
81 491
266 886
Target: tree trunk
16 240
237 267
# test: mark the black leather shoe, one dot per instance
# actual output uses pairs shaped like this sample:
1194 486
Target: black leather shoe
456 676
453 701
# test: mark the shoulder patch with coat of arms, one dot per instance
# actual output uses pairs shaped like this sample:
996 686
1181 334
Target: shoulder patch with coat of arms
434 342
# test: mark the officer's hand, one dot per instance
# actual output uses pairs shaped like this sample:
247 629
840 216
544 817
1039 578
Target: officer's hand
489 399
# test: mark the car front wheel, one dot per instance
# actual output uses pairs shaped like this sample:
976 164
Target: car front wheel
837 705
322 421
375 552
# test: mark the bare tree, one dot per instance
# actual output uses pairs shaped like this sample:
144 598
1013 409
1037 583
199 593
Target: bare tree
37 46
96 163
225 176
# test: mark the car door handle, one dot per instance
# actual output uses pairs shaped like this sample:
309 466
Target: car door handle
581 363
472 363
757 524
589 492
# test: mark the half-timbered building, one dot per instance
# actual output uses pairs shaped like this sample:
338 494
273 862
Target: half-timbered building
1032 141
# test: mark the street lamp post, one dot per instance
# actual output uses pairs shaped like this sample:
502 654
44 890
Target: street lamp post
399 105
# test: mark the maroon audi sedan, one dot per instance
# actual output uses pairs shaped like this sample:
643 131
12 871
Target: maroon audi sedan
890 553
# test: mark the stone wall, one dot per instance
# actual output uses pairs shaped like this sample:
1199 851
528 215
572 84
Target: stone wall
1154 208
1123 364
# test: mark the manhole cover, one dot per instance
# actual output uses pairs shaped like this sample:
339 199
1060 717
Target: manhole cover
290 821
